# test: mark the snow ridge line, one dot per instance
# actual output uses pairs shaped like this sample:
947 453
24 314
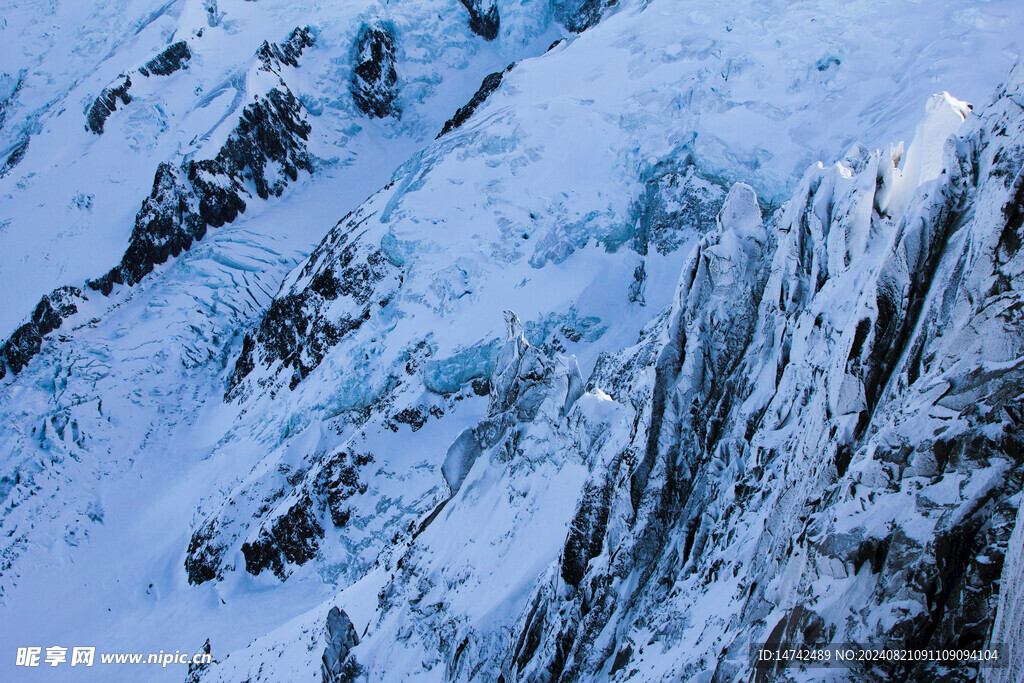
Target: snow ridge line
264 152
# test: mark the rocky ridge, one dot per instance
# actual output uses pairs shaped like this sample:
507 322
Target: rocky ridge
824 468
264 152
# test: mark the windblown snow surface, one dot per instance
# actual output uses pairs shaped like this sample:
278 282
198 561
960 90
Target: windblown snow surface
699 326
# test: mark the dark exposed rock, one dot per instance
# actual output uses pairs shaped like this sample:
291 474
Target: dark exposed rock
374 84
586 533
184 202
16 155
106 103
271 133
274 55
483 18
291 333
218 194
26 341
204 555
288 533
414 417
294 537
8 99
636 288
266 150
337 664
489 85
196 669
338 481
294 333
176 56
165 226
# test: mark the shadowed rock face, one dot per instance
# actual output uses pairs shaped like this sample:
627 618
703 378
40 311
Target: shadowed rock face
106 103
483 18
274 55
345 282
16 155
175 57
8 99
292 537
265 151
374 78
27 339
292 521
489 85
270 134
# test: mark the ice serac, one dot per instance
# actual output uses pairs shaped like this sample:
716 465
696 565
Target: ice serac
829 441
819 442
791 422
522 380
374 83
338 666
529 453
679 378
579 15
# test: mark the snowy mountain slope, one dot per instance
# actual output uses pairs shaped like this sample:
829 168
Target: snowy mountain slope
683 548
259 431
103 179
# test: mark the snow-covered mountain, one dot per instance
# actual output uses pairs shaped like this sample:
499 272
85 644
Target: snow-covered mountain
515 340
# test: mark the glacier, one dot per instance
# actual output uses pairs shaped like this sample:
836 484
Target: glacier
511 340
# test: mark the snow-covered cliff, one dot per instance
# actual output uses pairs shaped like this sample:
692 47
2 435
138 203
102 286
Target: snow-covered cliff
512 340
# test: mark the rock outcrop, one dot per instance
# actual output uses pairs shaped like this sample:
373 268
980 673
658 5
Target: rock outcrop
342 286
290 523
106 103
338 666
462 114
174 58
374 84
483 18
265 151
25 342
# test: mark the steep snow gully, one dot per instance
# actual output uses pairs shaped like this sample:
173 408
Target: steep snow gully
512 340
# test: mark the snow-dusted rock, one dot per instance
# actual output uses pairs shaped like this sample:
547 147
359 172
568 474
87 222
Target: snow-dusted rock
750 396
175 57
106 103
337 665
374 78
483 17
